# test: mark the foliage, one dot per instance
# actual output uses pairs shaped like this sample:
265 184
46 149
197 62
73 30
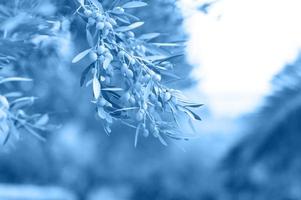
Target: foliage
24 27
13 116
267 157
126 72
105 161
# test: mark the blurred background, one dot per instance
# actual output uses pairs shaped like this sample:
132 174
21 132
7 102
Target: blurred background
242 61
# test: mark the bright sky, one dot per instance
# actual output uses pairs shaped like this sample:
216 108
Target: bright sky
238 47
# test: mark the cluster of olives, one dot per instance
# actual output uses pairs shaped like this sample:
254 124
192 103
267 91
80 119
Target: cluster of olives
101 21
141 85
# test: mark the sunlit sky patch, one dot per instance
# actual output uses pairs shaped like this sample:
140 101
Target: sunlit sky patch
238 47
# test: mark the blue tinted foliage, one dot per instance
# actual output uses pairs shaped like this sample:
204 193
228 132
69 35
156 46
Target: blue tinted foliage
125 71
51 48
92 107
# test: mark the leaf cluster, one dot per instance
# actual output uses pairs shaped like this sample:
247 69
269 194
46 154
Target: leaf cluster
22 27
13 115
126 72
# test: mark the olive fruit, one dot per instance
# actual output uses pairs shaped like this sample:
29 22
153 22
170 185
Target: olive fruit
100 26
93 56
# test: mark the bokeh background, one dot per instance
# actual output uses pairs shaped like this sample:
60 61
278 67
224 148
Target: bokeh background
242 61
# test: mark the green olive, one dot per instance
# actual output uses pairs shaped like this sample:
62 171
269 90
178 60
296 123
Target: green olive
139 116
132 100
112 21
93 56
88 13
118 10
91 21
157 77
121 54
108 25
131 34
129 73
109 56
145 133
132 61
100 25
101 49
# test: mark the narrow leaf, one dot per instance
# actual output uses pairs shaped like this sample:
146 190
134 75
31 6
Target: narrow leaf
43 120
162 140
130 27
193 115
81 55
107 129
21 102
167 44
112 89
89 38
149 36
170 57
84 75
34 133
101 113
81 2
125 109
137 134
134 4
97 4
14 79
194 105
96 87
106 63
131 16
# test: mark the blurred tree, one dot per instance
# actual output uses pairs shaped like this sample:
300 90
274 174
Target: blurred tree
25 27
266 163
